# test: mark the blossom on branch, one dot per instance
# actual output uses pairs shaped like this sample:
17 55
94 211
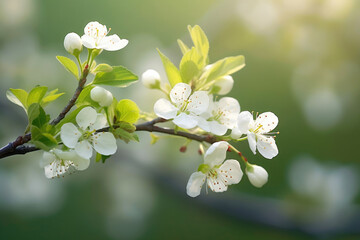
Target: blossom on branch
84 138
218 174
184 107
95 36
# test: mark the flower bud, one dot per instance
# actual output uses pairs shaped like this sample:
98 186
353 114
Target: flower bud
73 44
257 175
151 79
224 84
102 96
183 149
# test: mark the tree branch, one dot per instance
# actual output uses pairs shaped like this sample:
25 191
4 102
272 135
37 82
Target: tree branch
17 147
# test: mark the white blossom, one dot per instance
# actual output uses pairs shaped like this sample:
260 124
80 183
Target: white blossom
184 107
58 163
257 175
151 78
258 132
102 96
73 43
95 36
219 174
85 137
220 116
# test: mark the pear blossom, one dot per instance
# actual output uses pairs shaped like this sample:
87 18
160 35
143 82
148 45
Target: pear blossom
96 37
258 132
102 96
184 107
224 85
73 43
58 163
84 138
257 175
151 79
219 174
220 116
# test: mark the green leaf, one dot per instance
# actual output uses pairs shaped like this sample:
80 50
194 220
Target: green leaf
33 112
172 72
36 95
118 77
101 158
183 47
50 97
200 40
17 96
127 111
41 119
224 67
102 68
191 65
125 135
70 65
42 140
126 126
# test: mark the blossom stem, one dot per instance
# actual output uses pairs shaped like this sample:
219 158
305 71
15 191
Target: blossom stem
239 153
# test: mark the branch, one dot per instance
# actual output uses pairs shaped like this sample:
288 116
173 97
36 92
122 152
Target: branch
17 147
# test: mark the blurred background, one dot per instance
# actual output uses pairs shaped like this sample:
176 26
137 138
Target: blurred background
302 63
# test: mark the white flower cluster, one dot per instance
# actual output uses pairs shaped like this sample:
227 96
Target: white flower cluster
81 139
95 37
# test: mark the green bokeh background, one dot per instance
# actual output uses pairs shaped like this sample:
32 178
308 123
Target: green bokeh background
140 192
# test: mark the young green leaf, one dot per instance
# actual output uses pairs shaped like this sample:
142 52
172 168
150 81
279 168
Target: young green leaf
125 135
17 96
36 95
223 67
42 140
85 98
118 77
191 65
183 47
70 65
50 97
102 68
127 111
101 158
200 40
172 72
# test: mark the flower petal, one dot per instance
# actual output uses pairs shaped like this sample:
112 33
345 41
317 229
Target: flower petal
252 141
99 123
186 121
231 172
236 133
217 128
88 42
79 162
48 158
266 122
243 121
180 93
203 124
69 135
198 102
195 183
112 43
163 108
86 117
84 149
216 153
229 108
104 143
267 146
216 184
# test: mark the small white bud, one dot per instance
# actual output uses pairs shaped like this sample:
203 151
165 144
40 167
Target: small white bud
151 79
102 96
236 133
257 175
225 84
73 43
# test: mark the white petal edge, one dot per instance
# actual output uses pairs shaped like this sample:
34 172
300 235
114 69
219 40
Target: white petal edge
252 141
186 121
268 122
69 135
231 172
195 183
180 93
86 117
164 108
84 149
198 102
267 147
113 43
104 143
216 153
243 121
88 42
217 128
